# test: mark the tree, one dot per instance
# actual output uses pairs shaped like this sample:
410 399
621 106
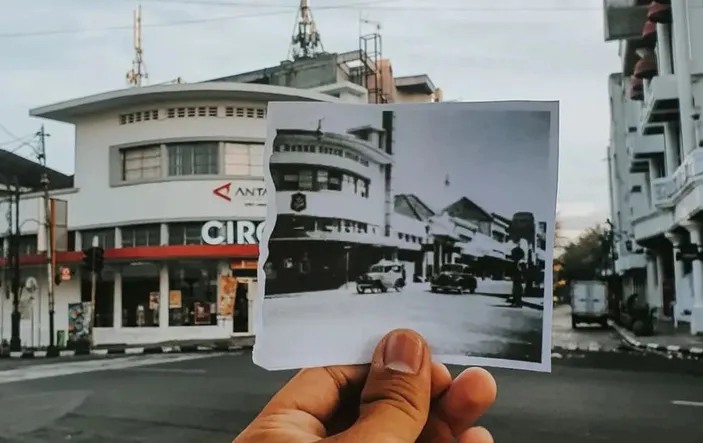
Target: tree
585 257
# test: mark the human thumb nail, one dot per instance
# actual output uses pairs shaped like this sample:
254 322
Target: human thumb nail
395 401
403 352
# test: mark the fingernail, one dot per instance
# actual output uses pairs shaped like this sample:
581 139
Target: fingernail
403 353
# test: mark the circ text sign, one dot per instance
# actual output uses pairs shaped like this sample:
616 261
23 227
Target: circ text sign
240 232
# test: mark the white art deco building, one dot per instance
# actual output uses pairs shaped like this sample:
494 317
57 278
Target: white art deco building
655 154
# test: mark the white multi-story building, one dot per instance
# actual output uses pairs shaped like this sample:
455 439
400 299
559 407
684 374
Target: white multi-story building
655 153
169 183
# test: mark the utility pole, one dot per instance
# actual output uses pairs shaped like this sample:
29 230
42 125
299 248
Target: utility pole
49 222
15 341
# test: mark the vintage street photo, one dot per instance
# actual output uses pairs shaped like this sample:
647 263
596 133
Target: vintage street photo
437 217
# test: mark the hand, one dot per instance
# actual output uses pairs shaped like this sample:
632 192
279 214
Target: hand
402 397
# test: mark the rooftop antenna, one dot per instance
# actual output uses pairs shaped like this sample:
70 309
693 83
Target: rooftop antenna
306 42
138 72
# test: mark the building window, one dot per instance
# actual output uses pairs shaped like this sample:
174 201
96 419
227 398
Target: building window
193 284
141 163
297 178
106 238
28 245
199 158
244 160
185 234
144 235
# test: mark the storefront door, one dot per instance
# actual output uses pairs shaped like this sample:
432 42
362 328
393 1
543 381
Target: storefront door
241 307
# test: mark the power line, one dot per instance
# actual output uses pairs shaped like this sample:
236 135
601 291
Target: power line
349 7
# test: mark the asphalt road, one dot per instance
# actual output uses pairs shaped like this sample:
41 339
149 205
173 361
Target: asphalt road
480 324
587 337
211 399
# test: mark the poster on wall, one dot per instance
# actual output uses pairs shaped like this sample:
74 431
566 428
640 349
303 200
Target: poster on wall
154 300
175 299
202 313
78 321
227 293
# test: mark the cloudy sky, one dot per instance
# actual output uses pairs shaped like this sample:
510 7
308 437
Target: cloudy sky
53 50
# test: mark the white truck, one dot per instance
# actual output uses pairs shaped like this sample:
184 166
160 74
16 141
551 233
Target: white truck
589 303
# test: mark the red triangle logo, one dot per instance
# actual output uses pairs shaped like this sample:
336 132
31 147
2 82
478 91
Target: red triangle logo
223 192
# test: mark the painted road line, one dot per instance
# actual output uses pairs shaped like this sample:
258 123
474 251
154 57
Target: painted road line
168 370
61 369
698 404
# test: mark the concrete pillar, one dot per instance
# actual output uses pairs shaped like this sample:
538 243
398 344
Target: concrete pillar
678 266
117 301
163 296
658 300
118 237
663 49
653 174
164 235
697 312
651 277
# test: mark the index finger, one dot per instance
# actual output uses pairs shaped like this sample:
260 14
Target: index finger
316 392
468 398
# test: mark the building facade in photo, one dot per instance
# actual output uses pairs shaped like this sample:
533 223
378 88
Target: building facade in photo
655 155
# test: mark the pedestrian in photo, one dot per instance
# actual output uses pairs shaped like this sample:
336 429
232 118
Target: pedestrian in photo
402 397
517 291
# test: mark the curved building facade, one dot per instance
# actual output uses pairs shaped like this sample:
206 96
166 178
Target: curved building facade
169 182
336 214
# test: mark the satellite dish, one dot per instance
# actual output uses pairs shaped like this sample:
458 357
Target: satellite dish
31 284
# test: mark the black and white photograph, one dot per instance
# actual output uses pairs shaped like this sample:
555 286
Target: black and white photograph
436 217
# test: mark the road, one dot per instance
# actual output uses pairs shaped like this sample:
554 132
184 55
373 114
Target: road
586 337
480 324
210 399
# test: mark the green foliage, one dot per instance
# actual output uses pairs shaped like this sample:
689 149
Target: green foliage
586 257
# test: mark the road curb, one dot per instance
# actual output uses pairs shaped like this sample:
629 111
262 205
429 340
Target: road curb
630 340
130 350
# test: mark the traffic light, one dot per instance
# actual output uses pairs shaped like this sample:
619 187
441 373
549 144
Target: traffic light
93 259
98 259
88 262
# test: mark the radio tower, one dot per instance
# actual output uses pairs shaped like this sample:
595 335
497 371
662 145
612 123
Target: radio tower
306 41
138 72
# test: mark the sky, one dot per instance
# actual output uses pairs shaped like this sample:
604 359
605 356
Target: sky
54 50
499 159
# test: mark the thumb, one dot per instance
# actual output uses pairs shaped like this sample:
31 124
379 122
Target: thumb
395 401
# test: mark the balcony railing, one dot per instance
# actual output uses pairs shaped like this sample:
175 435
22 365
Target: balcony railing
667 190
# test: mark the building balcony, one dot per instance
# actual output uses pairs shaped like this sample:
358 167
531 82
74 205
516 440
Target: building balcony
667 191
640 149
629 261
660 105
651 225
623 18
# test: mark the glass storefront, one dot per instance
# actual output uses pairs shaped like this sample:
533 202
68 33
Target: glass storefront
193 293
140 295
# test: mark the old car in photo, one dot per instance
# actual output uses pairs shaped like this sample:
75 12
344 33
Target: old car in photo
381 277
455 277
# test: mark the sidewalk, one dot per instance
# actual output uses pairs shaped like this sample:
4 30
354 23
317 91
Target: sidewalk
503 289
185 346
666 339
